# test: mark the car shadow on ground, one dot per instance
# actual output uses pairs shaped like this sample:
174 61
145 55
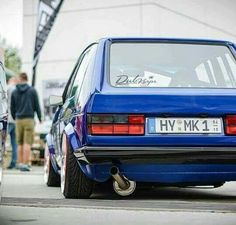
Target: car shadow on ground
145 198
148 192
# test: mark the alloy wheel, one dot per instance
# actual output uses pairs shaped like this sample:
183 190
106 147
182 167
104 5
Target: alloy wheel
63 162
46 164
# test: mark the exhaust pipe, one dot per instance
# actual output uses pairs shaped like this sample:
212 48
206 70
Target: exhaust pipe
121 184
120 179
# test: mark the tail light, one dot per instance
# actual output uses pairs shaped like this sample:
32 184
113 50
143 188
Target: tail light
115 124
230 124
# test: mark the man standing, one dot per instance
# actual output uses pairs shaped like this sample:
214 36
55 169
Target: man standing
11 123
24 103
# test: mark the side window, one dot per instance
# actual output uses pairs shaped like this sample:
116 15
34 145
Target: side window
80 73
70 83
88 81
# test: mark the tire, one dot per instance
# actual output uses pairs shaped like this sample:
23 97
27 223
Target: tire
51 178
74 184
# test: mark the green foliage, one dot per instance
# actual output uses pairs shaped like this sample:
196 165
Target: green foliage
12 60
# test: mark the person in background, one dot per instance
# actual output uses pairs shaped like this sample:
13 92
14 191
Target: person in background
24 104
11 123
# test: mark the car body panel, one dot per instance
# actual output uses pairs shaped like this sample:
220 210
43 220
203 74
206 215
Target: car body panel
168 173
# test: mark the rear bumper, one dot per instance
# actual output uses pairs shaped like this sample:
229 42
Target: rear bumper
162 155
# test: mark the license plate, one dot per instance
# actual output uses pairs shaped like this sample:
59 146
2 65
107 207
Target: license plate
185 125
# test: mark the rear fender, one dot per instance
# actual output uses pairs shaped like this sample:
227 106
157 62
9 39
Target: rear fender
49 141
72 137
51 151
75 144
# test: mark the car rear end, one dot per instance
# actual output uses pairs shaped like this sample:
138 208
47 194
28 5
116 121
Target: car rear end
166 113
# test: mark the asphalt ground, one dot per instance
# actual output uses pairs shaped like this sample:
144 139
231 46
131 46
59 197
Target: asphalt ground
27 200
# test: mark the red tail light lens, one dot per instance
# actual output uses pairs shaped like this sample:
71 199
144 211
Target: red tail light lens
231 130
136 129
136 119
102 124
101 129
121 129
230 125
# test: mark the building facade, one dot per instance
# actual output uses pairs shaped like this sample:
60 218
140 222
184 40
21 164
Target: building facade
82 22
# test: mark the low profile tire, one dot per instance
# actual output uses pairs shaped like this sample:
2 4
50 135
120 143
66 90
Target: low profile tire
51 178
74 183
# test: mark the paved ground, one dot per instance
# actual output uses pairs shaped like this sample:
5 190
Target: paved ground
26 200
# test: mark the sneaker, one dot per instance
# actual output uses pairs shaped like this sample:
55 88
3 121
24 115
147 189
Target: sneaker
25 168
11 166
19 165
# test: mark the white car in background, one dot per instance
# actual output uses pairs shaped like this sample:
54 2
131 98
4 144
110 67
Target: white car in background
3 115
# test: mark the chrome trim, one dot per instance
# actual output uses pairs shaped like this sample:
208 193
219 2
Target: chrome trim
136 151
80 156
146 148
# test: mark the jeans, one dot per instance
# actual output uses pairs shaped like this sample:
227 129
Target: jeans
12 133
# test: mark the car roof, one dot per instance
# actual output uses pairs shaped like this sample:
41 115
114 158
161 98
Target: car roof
162 39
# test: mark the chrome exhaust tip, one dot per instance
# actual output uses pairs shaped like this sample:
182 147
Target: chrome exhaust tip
122 186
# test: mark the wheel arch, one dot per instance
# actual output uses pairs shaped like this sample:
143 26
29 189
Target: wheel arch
75 144
72 137
51 151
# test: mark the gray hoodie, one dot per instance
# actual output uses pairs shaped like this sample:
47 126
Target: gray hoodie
24 102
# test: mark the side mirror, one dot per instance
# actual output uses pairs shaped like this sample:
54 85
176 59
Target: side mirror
55 100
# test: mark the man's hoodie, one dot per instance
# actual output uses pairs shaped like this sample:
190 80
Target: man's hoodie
24 102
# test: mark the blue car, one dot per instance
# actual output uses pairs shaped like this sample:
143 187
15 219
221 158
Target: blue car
147 110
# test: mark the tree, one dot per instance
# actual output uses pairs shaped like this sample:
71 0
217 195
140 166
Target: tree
12 58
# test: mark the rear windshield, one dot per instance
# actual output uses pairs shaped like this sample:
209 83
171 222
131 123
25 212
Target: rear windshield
171 65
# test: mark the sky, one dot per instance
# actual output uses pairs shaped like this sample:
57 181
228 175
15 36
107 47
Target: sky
11 23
